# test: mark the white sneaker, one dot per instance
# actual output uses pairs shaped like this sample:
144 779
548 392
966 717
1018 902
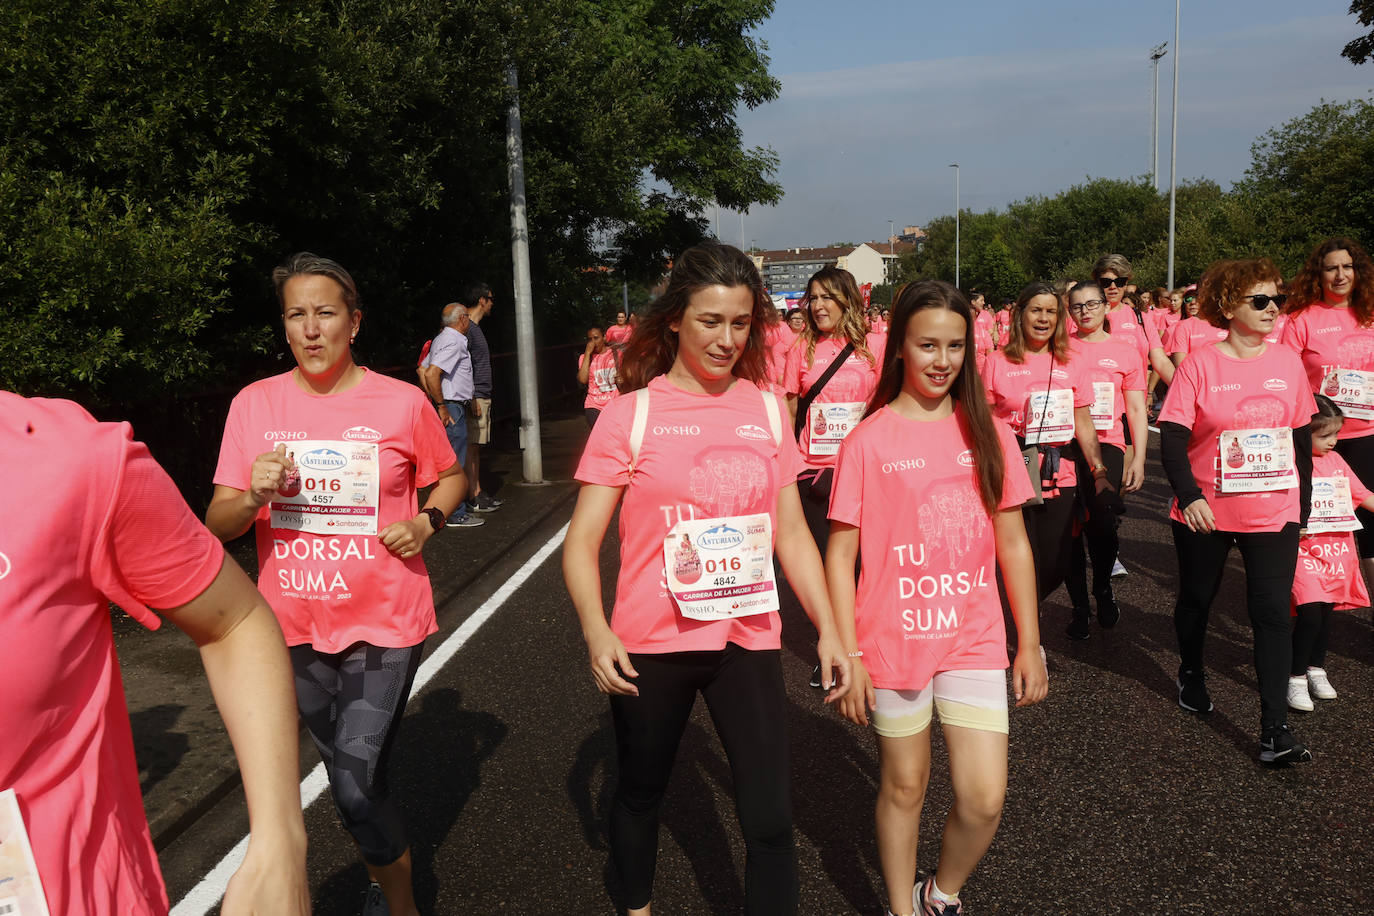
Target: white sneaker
1118 570
1297 695
1321 687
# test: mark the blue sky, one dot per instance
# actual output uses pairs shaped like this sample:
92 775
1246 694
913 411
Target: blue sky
1029 98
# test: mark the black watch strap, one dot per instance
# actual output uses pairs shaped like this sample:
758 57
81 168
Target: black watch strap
437 520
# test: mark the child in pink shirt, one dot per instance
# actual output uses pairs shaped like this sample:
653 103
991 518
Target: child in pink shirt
698 459
927 493
1328 574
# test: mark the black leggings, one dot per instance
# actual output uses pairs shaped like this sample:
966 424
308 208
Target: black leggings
816 504
1270 560
352 703
1049 526
1310 631
1099 533
744 693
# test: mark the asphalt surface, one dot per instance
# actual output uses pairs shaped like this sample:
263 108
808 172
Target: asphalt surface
1119 802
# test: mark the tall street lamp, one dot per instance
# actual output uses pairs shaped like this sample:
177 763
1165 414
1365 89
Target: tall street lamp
1173 149
955 166
1156 53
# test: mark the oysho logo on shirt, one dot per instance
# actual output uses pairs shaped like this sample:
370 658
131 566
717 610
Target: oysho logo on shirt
904 464
361 434
677 430
1275 384
1328 330
1012 373
283 435
322 459
750 431
1230 386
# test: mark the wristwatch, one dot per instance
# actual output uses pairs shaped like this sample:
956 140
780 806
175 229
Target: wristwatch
437 520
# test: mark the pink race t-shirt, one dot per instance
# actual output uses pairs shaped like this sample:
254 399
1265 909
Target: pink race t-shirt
332 590
618 333
601 378
779 339
94 519
703 456
1328 563
1212 393
852 384
1010 385
927 593
1128 327
1327 338
1192 334
984 334
1111 362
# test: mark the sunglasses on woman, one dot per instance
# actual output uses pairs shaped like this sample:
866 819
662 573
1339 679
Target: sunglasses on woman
1118 282
1261 302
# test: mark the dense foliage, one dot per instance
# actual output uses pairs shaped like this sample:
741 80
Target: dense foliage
158 157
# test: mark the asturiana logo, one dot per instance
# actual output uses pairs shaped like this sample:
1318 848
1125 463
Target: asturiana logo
1322 489
1108 363
721 537
361 434
322 459
1259 440
4 566
966 458
750 431
1276 384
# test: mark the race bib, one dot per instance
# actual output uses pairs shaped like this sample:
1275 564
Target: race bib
1257 460
830 423
1352 390
334 489
1104 406
1049 417
21 891
1333 509
720 568
603 380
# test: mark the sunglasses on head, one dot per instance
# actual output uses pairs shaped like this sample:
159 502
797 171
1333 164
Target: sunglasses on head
1261 302
1118 282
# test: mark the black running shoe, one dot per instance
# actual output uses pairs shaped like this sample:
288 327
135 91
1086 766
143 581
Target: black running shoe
1192 691
1279 745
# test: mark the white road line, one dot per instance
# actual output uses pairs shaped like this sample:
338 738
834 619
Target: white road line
207 894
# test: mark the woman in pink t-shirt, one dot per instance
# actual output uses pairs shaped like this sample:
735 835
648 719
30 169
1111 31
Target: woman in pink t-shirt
1116 375
697 457
339 538
927 494
618 334
596 368
822 416
1235 444
1331 328
1037 388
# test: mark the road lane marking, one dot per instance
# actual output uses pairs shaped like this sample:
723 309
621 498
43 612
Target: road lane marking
207 894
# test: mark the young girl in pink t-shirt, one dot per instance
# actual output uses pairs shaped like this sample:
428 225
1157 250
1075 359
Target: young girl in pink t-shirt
1328 575
697 457
928 492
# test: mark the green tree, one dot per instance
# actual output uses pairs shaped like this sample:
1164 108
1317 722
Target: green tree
1361 49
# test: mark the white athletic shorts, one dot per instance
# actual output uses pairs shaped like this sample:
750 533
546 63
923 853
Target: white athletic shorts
969 699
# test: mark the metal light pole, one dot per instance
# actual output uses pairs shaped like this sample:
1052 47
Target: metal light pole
1173 150
1156 53
533 455
955 166
887 274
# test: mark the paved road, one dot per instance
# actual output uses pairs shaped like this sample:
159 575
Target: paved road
1118 802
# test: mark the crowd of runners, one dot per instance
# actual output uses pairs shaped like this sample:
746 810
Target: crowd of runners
953 465
921 476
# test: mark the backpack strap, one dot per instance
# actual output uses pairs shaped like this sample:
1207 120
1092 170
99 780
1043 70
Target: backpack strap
637 427
770 404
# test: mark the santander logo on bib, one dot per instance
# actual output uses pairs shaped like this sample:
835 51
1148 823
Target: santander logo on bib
750 431
361 434
1275 384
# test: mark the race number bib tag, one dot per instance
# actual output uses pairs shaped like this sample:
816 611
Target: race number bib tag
21 891
830 423
1257 460
1333 509
1352 390
333 490
1049 417
720 568
603 380
1104 406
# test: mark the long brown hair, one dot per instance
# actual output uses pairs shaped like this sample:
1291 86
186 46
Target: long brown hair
852 324
652 348
967 389
1015 350
1306 288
